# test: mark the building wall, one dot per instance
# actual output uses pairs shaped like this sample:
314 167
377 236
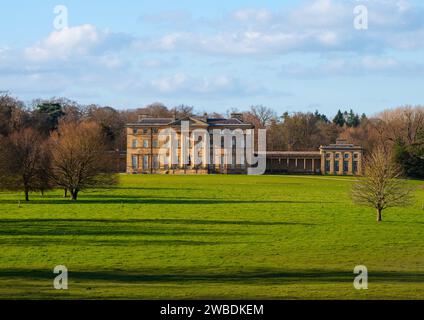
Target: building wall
143 156
339 159
294 164
342 162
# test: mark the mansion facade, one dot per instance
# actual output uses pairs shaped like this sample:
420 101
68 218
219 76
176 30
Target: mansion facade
144 151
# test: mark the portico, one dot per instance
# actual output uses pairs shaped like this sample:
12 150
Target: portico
341 158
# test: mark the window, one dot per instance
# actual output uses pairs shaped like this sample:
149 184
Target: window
145 162
327 166
346 156
155 143
336 166
145 143
155 130
355 166
134 162
328 155
155 162
337 155
135 131
345 166
356 156
176 162
135 143
145 131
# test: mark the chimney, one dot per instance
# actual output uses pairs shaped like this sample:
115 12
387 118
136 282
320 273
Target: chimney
238 116
341 141
205 117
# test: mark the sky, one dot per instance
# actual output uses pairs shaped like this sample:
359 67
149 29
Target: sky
289 55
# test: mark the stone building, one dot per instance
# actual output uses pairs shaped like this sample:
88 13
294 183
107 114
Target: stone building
340 158
293 162
143 156
143 145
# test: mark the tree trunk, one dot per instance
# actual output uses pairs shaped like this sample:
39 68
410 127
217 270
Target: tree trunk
74 194
379 215
26 195
65 195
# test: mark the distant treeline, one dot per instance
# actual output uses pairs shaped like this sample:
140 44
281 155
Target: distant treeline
401 129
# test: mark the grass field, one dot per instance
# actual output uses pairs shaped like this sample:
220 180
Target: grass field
189 237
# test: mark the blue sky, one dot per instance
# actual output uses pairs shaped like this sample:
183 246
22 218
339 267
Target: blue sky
216 55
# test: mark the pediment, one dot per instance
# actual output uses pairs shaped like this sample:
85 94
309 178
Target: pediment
193 122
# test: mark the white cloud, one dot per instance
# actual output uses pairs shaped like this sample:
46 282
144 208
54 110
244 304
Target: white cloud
317 26
4 50
76 41
110 61
184 83
252 15
355 66
63 43
221 57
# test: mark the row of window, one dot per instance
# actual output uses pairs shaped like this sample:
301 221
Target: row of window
146 144
337 166
145 131
155 144
346 155
156 164
145 162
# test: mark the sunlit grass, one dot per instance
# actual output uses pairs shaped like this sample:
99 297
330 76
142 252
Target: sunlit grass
190 237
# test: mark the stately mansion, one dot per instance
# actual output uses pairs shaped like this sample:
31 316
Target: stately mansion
144 155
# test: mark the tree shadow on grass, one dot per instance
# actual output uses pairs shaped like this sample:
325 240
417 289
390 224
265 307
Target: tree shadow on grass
72 229
44 232
93 242
188 276
151 188
30 222
155 201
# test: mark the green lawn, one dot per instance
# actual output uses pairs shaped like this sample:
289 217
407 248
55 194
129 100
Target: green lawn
189 237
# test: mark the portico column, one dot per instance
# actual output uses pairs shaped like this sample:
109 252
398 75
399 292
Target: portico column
351 163
332 158
323 160
360 171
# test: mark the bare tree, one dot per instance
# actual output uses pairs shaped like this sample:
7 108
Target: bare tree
155 110
80 159
404 122
263 114
24 162
112 124
13 115
182 111
382 186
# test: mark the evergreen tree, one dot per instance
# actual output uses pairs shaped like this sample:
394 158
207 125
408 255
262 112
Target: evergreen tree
411 158
353 119
47 116
321 117
339 119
